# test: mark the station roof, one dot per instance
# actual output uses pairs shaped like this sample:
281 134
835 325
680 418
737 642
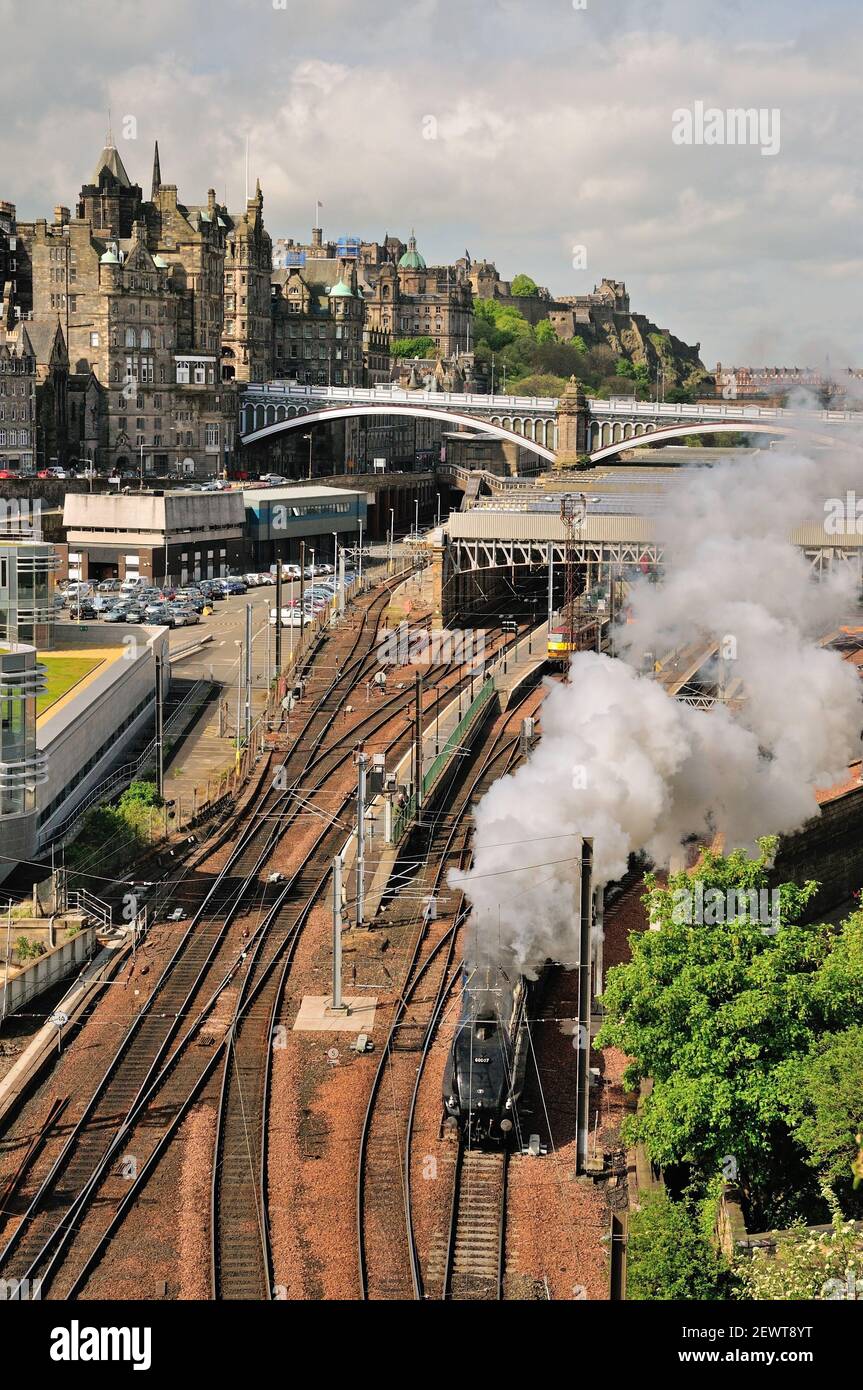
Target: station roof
299 494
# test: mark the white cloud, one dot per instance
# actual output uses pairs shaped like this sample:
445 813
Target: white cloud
553 128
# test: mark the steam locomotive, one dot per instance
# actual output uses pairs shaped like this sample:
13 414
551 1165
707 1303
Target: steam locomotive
484 1073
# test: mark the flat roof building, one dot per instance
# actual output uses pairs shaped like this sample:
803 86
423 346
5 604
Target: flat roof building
172 537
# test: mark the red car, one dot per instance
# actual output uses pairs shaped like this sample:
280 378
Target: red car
8 473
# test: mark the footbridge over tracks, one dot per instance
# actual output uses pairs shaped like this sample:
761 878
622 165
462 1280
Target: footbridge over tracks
561 430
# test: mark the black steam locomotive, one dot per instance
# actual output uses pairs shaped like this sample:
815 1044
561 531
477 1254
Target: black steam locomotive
484 1074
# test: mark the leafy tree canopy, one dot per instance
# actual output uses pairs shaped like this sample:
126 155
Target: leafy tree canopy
523 285
712 1012
823 1096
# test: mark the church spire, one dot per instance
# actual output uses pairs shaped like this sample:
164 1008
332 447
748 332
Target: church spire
157 174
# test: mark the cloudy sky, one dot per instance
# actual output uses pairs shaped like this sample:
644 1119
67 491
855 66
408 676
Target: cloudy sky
520 130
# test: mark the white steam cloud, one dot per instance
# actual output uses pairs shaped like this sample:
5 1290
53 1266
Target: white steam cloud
621 761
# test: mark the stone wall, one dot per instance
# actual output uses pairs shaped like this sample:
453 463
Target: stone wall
830 849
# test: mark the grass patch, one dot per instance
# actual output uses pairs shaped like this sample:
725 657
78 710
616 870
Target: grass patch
63 672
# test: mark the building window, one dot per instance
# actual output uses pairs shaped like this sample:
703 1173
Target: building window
94 340
131 340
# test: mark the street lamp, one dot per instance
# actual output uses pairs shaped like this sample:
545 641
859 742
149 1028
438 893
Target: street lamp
437 523
309 438
416 516
391 540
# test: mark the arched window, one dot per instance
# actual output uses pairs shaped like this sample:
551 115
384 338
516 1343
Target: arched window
146 338
131 340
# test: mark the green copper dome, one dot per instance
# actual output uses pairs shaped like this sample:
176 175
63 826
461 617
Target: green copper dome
412 260
341 291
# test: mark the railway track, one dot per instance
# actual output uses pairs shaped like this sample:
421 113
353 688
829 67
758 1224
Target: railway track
389 1269
475 1257
31 1249
241 1265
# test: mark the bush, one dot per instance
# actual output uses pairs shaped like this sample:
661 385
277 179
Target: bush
669 1257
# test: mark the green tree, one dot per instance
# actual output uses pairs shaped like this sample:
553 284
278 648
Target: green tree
823 1094
545 333
625 368
711 1011
668 1256
413 347
522 285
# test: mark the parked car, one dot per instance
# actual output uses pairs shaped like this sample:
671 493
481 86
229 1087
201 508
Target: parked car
273 479
131 586
234 586
266 578
134 615
184 616
197 602
211 590
109 586
159 615
296 619
116 615
288 572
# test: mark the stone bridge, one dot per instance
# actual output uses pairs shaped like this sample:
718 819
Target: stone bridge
561 430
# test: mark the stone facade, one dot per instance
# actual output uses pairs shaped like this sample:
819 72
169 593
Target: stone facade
411 300
17 405
34 373
140 290
318 325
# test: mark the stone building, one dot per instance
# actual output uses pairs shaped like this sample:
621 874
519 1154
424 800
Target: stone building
594 311
17 404
410 299
246 337
318 325
141 290
34 372
13 266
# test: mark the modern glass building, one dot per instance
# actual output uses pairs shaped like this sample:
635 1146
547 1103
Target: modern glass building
27 590
23 767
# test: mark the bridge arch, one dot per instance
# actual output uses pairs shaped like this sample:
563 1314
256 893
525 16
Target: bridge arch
307 417
660 436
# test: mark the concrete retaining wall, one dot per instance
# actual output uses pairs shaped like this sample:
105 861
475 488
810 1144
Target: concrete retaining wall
40 974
